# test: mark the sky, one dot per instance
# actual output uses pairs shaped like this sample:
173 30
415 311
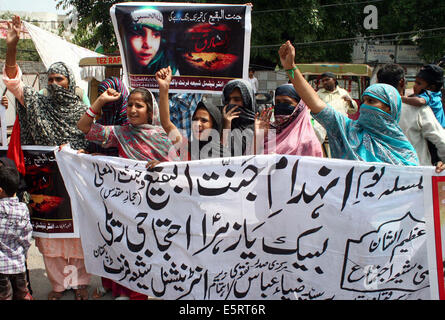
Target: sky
30 5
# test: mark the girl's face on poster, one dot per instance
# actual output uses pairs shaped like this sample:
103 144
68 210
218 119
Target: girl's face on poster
145 43
138 111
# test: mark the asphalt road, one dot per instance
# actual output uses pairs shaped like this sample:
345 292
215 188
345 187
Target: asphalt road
40 284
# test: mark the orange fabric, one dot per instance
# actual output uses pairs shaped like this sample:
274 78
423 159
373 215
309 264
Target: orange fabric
64 248
66 273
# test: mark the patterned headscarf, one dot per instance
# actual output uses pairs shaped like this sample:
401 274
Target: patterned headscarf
376 135
388 95
114 113
52 120
294 134
138 141
283 120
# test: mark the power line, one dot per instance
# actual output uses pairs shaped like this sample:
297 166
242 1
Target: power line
348 3
329 41
322 6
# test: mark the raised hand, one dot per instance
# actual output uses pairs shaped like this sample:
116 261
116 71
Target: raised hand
287 55
110 95
164 77
13 34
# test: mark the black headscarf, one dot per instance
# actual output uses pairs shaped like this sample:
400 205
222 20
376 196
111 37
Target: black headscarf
242 130
213 146
287 90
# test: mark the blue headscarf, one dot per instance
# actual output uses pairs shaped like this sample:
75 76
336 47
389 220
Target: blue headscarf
376 135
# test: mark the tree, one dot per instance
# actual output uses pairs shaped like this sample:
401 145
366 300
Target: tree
26 51
322 31
93 22
425 17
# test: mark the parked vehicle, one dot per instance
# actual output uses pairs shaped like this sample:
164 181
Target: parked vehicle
354 78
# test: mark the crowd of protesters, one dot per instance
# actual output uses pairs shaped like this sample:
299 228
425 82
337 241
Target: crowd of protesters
392 128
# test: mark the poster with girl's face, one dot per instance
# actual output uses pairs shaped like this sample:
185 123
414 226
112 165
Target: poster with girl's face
206 45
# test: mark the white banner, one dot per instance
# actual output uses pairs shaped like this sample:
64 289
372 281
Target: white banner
3 127
263 227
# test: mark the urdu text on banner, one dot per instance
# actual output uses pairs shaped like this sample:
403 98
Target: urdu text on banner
49 202
260 227
206 45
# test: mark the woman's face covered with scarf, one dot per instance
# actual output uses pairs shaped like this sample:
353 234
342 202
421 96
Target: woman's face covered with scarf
383 97
373 102
58 79
286 99
239 94
61 82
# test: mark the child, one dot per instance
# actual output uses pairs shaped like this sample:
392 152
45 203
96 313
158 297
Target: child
147 51
205 129
427 90
15 238
142 139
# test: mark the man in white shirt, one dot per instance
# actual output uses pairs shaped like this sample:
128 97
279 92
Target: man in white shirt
253 80
418 123
336 97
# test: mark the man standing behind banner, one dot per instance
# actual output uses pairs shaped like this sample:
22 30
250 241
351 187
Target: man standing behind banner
336 97
143 40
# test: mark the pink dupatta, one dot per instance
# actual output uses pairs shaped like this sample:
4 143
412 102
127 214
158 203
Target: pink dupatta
296 137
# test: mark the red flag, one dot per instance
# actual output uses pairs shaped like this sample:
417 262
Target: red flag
15 151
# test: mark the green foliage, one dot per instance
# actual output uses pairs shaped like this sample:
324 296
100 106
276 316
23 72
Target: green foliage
94 22
6 15
26 50
310 24
411 15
